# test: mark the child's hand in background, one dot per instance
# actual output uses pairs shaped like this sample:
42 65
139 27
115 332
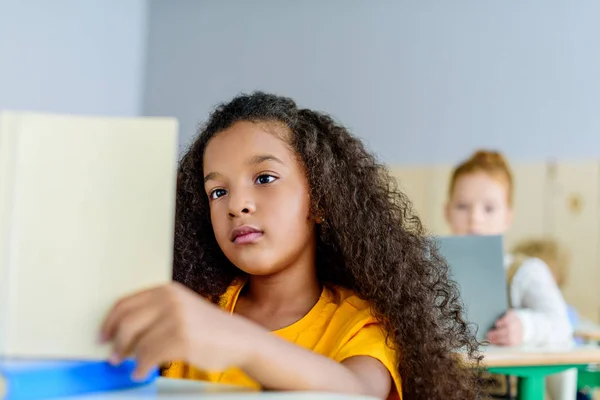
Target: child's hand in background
172 323
508 330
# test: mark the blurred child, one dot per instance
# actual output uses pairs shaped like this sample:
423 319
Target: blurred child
480 203
556 258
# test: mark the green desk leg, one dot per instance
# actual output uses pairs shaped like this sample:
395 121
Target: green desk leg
588 378
533 387
532 384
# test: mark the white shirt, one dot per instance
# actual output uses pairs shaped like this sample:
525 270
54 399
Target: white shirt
539 304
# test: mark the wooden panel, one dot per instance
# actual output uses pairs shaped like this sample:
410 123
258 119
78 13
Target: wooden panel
575 222
438 186
413 181
561 199
428 189
530 203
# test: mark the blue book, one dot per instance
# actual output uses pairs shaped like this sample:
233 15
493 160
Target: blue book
30 380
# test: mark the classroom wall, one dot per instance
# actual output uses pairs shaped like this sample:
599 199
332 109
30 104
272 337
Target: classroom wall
73 56
422 82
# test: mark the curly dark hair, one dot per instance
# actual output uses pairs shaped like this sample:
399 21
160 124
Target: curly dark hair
394 265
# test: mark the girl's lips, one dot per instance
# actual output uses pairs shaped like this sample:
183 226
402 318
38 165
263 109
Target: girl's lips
245 234
248 238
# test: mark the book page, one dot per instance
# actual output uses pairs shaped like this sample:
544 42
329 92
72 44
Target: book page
92 220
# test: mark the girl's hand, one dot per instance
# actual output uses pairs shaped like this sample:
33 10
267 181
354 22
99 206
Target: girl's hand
172 323
508 330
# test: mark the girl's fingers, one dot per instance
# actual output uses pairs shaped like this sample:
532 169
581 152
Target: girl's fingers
502 322
133 327
154 348
498 336
121 309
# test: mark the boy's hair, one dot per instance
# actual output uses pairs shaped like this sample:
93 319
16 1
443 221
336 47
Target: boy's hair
370 242
491 163
551 252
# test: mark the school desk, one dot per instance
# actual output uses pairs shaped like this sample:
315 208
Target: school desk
179 389
588 378
533 364
588 331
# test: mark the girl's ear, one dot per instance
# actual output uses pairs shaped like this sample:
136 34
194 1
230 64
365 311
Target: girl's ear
317 215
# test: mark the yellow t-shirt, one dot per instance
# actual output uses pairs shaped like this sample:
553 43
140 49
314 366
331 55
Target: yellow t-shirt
339 326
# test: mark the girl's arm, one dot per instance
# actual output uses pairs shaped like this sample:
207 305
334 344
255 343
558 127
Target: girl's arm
281 365
172 323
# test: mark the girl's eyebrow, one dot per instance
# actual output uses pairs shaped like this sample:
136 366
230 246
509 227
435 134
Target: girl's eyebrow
261 158
211 176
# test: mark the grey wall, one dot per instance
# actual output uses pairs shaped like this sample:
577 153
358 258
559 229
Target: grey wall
423 81
72 56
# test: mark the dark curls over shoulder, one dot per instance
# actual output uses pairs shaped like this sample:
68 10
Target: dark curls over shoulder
370 242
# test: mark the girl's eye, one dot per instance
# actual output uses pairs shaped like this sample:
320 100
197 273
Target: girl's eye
215 194
264 179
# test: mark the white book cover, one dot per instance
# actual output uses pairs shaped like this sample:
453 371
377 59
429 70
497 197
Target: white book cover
87 210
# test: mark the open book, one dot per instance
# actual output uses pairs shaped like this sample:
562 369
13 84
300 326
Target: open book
86 217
